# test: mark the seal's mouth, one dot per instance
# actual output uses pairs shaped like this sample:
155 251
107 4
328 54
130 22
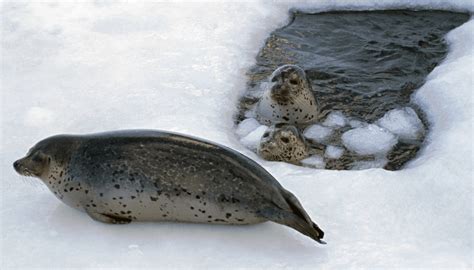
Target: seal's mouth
21 169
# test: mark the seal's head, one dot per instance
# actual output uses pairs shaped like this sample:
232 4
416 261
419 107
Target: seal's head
288 82
282 142
53 151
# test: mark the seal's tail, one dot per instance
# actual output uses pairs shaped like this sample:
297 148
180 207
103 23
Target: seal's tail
297 218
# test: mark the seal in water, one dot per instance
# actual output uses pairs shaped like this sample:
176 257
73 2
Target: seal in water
282 142
288 98
145 175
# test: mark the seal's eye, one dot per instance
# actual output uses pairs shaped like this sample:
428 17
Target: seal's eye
266 134
274 79
285 139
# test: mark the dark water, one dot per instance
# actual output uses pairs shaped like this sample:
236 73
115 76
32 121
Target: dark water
361 63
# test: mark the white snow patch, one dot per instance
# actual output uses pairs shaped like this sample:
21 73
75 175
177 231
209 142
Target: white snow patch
317 133
246 126
252 140
314 161
335 119
369 140
402 122
334 152
38 117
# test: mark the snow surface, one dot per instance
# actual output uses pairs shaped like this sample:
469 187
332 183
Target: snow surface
369 140
334 152
89 67
317 133
335 119
402 122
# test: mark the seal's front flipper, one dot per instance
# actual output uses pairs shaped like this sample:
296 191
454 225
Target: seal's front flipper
107 218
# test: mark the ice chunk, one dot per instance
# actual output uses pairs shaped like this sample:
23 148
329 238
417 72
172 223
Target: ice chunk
247 126
314 161
356 123
38 117
335 119
402 122
317 133
334 152
379 162
252 140
369 140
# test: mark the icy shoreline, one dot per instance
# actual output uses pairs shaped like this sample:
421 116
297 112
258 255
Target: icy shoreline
181 67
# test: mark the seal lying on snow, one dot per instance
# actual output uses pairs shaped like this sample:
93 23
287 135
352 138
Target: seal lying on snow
288 99
144 175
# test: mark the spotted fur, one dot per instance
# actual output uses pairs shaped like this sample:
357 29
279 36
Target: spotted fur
144 175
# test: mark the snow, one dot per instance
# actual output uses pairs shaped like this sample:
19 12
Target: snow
402 122
369 140
252 140
103 65
335 119
314 161
356 123
246 126
38 117
317 133
334 152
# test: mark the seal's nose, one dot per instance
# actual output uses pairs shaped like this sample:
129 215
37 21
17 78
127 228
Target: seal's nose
16 165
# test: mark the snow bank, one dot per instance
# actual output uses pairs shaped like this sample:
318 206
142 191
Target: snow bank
103 65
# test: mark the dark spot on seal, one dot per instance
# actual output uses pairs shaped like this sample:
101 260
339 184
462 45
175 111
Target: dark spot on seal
153 198
228 215
117 186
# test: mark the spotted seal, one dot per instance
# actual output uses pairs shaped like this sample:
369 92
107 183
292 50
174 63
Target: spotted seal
145 175
282 142
288 98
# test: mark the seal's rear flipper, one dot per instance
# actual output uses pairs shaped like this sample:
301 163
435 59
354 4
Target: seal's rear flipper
295 217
